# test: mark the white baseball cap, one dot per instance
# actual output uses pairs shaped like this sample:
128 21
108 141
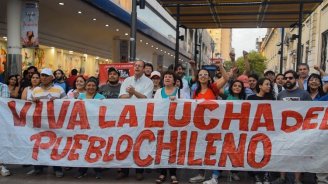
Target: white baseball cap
155 73
47 71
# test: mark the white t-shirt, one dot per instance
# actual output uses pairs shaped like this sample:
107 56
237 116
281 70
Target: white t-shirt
142 85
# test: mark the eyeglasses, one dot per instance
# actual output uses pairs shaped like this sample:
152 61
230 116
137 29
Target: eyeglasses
138 66
289 78
203 75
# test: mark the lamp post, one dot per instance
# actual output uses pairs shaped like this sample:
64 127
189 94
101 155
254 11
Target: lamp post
212 47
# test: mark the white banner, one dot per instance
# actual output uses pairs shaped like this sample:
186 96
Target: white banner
224 135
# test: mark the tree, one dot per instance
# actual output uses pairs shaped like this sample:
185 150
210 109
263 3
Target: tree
257 63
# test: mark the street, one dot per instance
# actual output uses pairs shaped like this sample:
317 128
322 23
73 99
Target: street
19 176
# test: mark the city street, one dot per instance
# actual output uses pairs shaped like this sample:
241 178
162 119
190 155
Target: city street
19 176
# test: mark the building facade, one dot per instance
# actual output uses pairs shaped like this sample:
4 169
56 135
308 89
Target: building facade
314 43
222 39
82 34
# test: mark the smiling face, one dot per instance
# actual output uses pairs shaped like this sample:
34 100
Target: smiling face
91 88
237 87
113 77
280 80
314 83
80 83
203 77
179 71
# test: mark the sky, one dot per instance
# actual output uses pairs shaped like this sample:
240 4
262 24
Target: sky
245 39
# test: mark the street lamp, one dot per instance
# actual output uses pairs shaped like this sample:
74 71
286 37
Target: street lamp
212 47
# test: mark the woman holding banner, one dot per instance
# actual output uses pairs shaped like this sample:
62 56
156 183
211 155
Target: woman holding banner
316 88
264 91
78 87
169 91
91 88
206 90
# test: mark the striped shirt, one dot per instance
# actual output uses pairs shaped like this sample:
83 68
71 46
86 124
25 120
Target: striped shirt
52 91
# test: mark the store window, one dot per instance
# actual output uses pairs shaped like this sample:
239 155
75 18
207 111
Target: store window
324 55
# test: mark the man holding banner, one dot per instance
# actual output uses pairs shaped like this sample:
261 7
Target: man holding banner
292 93
138 86
47 90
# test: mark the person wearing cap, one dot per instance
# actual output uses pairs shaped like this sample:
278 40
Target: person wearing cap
156 78
47 90
112 88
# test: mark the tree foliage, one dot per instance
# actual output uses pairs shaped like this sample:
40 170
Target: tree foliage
256 60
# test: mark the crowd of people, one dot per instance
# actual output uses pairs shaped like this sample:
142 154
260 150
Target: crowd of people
172 84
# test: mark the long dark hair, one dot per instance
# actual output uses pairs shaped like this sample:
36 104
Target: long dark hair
199 87
270 95
320 89
242 94
13 76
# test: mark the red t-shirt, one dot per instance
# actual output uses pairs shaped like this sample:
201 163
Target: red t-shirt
209 94
70 80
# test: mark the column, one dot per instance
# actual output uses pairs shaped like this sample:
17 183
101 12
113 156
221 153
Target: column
14 58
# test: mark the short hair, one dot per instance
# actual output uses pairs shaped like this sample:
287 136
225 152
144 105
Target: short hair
74 72
150 65
94 80
177 66
32 67
269 72
169 72
144 63
292 72
255 76
303 64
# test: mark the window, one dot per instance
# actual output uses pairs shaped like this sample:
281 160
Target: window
324 51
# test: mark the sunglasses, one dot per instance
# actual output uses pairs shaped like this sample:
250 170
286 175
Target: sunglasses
289 78
203 75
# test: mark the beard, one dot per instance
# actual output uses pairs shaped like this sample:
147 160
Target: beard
113 82
289 85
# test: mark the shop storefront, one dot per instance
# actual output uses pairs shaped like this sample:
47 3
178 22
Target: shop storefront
56 58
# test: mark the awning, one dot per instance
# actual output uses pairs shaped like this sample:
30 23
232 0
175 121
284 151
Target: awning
239 13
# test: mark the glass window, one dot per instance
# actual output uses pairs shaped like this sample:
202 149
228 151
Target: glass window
151 19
